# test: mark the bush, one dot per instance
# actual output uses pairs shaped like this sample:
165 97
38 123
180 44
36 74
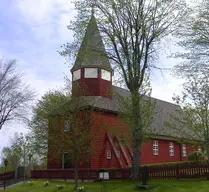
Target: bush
30 183
59 187
170 164
46 183
195 156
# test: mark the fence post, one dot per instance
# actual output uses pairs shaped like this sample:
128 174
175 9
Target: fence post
145 175
122 175
177 172
82 175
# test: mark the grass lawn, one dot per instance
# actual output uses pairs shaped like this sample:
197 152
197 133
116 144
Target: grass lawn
116 186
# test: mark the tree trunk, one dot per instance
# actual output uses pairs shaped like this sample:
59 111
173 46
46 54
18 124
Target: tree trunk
137 136
136 162
76 175
16 171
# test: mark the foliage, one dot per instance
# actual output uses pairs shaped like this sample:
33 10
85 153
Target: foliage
131 31
48 103
59 187
193 36
74 136
30 183
80 188
15 96
193 121
180 163
195 156
46 183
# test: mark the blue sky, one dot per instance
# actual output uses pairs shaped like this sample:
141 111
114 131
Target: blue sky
32 31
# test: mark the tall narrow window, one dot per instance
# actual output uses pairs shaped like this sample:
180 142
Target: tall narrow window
108 154
184 150
67 125
118 153
171 149
66 160
76 75
91 73
155 148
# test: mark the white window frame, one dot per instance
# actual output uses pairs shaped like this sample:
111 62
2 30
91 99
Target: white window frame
76 74
104 74
184 150
88 71
171 149
67 126
109 154
118 153
155 148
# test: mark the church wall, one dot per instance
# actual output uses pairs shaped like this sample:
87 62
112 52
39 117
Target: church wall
113 125
109 122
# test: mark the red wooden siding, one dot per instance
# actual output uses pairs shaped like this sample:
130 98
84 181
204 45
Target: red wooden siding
111 124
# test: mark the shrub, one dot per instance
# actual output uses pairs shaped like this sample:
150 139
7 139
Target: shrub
30 182
195 156
46 183
80 188
59 187
180 163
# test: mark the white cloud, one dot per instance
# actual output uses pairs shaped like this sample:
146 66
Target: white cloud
48 19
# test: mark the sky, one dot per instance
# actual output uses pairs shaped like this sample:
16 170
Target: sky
33 31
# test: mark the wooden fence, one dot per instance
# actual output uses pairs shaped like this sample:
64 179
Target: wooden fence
155 173
7 176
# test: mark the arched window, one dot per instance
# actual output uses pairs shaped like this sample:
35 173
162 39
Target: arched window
66 161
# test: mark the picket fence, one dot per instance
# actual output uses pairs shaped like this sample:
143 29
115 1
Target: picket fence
7 175
163 172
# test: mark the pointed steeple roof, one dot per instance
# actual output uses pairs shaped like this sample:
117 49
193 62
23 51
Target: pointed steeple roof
92 51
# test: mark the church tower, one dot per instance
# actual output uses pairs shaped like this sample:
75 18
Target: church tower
92 70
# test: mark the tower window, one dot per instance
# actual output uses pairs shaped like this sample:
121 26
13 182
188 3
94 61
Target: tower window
105 75
91 73
76 75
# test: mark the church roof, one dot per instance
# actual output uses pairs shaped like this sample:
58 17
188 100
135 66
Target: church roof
92 51
163 110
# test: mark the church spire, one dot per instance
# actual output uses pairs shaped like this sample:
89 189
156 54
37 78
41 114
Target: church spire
92 51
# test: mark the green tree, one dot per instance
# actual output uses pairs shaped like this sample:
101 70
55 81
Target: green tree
49 102
75 137
131 31
193 117
193 36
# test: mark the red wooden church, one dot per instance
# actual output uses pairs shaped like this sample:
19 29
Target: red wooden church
94 71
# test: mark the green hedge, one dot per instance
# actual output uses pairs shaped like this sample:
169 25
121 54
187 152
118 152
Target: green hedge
195 156
174 163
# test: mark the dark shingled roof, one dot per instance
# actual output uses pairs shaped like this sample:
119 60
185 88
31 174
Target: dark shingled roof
92 51
163 110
